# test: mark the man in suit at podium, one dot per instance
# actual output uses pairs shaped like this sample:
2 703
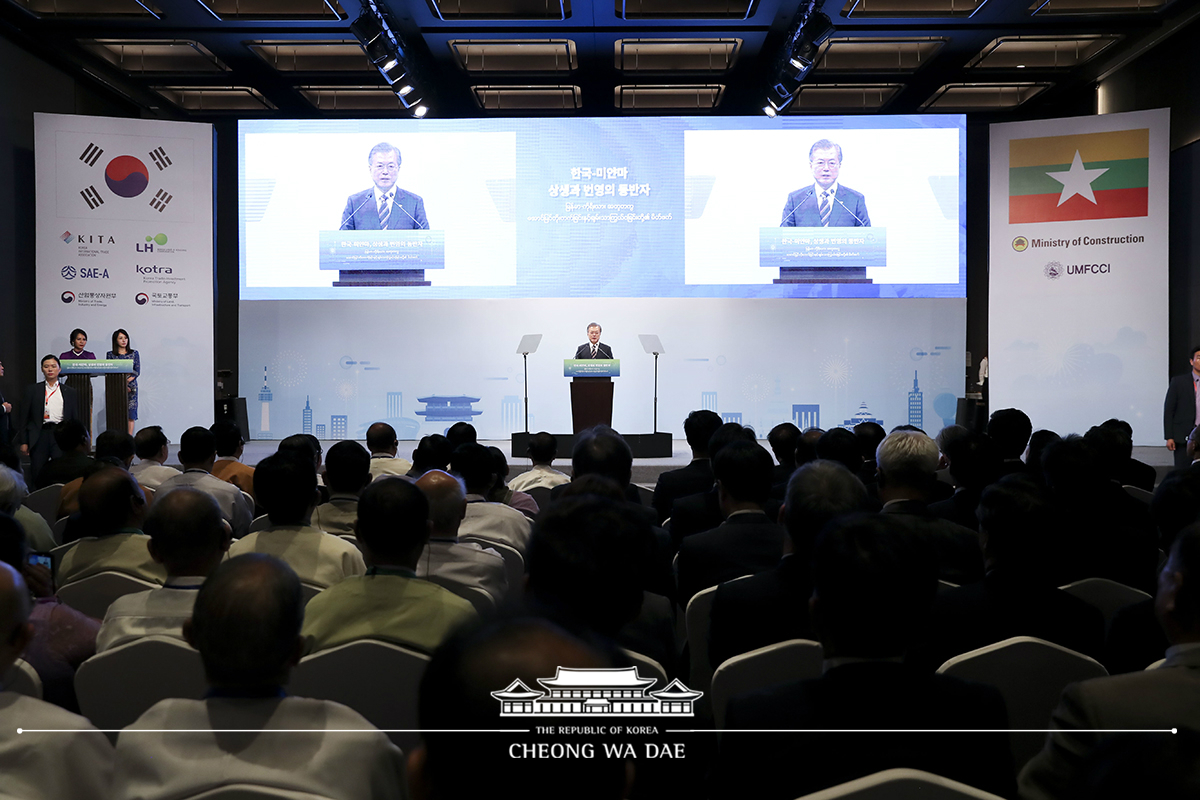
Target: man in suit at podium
384 206
825 204
593 347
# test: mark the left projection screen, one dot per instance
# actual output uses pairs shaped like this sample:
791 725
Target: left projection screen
125 241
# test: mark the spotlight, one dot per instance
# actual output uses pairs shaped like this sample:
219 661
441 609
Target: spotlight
420 111
404 90
769 111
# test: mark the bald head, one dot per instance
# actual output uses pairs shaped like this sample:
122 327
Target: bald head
447 502
187 533
381 438
15 631
246 622
111 499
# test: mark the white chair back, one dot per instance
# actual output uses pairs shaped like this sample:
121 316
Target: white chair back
95 593
243 791
22 678
377 679
259 523
1138 494
793 660
117 686
1108 596
698 622
1031 675
45 502
309 591
59 528
514 564
648 668
901 784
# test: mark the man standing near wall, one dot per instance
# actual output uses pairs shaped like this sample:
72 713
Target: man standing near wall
1181 411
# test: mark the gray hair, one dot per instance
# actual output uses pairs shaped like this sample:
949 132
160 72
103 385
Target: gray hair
12 490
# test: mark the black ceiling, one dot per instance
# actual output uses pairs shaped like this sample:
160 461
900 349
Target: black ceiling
937 44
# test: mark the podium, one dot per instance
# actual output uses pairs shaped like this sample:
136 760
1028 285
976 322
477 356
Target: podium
79 374
591 390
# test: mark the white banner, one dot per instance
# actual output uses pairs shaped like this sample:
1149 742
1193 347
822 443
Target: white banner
1078 270
125 240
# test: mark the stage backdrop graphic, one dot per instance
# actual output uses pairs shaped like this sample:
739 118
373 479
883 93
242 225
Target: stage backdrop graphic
125 240
1078 264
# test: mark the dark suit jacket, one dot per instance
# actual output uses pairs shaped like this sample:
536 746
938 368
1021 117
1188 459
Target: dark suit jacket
1179 408
67 468
744 544
849 209
956 547
4 426
696 477
585 350
959 508
763 609
361 214
33 406
870 695
1003 605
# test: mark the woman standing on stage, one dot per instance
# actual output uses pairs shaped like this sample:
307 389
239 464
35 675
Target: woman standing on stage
78 343
121 349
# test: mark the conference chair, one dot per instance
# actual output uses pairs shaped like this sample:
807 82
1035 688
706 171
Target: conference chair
22 678
243 791
541 496
309 591
260 523
95 593
1031 675
59 528
901 784
1156 664
782 662
1138 494
45 502
1108 596
698 622
56 556
117 686
514 564
647 668
377 679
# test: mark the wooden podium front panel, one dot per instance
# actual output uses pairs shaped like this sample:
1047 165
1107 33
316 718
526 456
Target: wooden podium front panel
116 401
82 384
591 403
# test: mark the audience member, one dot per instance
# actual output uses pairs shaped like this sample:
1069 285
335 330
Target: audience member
383 444
286 486
973 464
869 436
461 433
874 583
697 476
702 511
75 760
502 493
347 473
1017 596
1157 699
189 537
1131 471
246 625
112 508
1010 429
71 437
228 466
152 448
748 541
114 448
12 492
842 446
198 454
772 606
783 439
542 449
447 561
806 448
486 520
390 602
63 638
1038 442
907 463
432 452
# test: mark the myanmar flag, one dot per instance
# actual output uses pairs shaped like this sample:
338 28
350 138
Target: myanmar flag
1082 176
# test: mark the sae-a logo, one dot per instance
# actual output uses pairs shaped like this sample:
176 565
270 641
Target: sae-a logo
611 692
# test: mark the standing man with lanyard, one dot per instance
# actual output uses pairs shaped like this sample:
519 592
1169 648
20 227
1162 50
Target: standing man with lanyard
1181 409
44 406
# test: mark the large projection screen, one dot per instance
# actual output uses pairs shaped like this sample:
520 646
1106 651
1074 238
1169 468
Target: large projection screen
710 233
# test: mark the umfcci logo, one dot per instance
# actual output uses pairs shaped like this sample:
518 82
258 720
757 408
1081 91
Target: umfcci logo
1053 270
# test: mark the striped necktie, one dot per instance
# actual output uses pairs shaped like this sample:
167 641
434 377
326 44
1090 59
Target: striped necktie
826 206
385 211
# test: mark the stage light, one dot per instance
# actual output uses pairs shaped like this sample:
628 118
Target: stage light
420 111
388 53
404 90
769 111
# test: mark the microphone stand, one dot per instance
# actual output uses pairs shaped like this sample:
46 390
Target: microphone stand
525 360
656 392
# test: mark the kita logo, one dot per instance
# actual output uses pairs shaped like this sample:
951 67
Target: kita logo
66 237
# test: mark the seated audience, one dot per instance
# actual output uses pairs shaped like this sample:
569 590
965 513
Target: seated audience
542 449
286 486
1157 699
1130 471
390 602
230 446
842 446
114 448
696 477
700 512
246 625
907 462
457 695
874 582
151 446
189 537
74 761
305 445
198 455
63 638
12 493
748 541
487 520
461 433
771 606
347 473
973 463
1017 596
432 452
869 436
783 439
71 437
1010 429
383 444
501 493
447 561
112 509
